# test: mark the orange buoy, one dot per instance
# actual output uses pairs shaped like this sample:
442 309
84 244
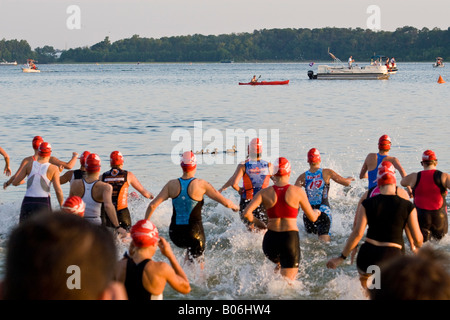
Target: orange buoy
440 80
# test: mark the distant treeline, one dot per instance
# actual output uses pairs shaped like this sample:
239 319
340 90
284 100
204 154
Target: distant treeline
405 44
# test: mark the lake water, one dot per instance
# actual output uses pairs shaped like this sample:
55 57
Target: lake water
147 110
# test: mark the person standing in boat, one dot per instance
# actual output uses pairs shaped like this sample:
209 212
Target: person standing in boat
255 174
429 189
316 182
187 192
350 62
373 160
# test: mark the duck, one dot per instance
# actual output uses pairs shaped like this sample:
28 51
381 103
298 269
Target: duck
233 150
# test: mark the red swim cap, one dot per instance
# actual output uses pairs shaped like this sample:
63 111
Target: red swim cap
428 155
282 167
93 163
255 146
116 158
384 143
83 157
45 149
144 234
386 174
313 156
188 161
37 140
75 205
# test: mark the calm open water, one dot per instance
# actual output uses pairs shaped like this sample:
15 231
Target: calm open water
142 109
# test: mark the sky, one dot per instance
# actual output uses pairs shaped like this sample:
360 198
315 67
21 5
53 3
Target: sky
66 24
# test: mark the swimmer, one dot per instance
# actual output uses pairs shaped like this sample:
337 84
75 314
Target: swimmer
386 216
373 160
95 193
7 169
41 174
255 174
281 243
37 140
316 182
120 180
429 189
143 277
187 192
71 175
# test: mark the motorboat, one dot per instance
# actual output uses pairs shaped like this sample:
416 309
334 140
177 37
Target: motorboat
390 63
338 71
30 67
6 63
439 63
29 70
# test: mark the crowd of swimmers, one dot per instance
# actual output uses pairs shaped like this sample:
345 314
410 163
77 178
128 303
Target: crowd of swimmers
96 212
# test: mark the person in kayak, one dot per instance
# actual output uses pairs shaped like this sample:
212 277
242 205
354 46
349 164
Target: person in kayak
429 188
254 80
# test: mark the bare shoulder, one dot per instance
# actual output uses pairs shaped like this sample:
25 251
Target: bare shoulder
371 156
103 185
402 193
157 268
295 189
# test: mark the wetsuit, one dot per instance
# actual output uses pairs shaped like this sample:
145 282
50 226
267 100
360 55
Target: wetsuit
78 174
372 174
186 227
282 247
256 177
317 192
387 216
429 199
93 208
133 281
118 179
37 196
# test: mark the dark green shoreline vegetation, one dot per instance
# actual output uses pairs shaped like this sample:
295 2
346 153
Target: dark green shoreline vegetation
406 44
